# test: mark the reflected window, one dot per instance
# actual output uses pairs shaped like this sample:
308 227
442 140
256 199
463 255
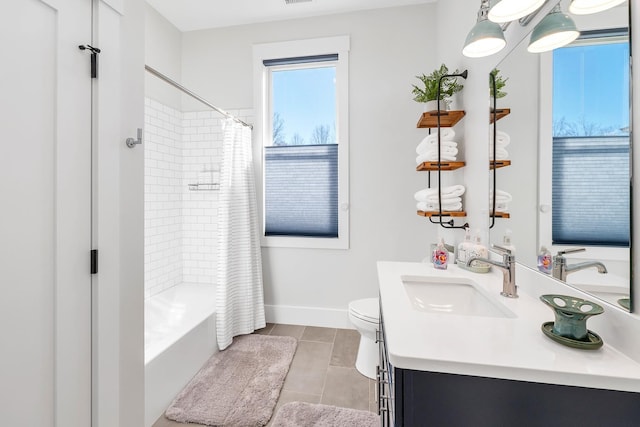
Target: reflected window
591 144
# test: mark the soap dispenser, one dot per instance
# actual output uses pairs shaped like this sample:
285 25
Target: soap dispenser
545 261
440 256
463 247
506 242
478 250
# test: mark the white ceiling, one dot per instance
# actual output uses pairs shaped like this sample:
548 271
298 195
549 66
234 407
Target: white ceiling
189 15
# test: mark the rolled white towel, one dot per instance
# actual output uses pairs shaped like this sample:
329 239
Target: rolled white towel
430 145
501 153
435 207
432 156
449 151
448 198
501 207
501 197
450 191
445 134
502 138
456 190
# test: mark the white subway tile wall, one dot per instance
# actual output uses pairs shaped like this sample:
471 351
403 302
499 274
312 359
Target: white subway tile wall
181 224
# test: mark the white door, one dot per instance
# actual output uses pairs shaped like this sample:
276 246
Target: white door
45 213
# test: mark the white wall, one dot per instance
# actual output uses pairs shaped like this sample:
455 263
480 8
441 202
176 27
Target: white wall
202 156
128 82
181 224
388 48
162 52
521 178
163 163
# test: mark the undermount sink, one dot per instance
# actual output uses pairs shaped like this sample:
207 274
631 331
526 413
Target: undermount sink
452 296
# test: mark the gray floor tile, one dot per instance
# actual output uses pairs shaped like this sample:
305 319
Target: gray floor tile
309 381
266 330
346 387
313 333
312 355
345 348
287 330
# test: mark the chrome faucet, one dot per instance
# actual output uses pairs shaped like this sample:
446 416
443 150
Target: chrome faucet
561 270
508 267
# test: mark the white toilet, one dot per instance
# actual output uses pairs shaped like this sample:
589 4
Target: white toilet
364 314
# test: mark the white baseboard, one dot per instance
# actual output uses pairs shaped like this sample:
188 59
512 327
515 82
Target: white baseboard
308 316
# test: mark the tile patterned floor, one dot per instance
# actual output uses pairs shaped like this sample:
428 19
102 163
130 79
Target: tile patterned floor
322 371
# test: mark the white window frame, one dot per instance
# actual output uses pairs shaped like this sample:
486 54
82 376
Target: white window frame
262 130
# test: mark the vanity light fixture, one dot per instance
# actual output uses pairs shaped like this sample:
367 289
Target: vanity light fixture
509 10
585 7
557 29
486 37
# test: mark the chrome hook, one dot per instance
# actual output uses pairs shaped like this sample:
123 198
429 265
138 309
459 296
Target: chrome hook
132 142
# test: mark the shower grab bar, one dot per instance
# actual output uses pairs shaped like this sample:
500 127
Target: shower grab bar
177 85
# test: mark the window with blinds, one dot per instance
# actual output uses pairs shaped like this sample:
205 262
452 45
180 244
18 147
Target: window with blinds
591 144
305 152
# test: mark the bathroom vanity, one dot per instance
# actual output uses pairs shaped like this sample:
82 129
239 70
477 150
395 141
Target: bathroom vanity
453 352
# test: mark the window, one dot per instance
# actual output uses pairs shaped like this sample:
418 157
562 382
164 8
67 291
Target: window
590 193
303 131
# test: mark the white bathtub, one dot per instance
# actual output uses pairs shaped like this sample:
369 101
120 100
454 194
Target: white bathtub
179 337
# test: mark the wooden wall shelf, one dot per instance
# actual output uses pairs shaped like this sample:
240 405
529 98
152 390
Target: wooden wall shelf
500 113
502 215
444 213
499 163
447 118
445 166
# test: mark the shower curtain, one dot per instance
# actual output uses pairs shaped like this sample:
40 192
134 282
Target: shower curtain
239 294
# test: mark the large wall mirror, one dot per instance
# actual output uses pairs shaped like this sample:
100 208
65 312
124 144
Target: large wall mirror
568 139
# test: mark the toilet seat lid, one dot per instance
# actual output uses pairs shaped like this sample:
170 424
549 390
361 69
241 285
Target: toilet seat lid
366 309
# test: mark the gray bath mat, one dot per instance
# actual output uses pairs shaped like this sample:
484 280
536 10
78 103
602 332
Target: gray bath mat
238 386
300 414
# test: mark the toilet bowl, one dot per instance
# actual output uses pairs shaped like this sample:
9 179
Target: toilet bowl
364 315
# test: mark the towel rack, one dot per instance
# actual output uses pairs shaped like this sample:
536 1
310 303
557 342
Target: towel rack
493 162
450 223
204 186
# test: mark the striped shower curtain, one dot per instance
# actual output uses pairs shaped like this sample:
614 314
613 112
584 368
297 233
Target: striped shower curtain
239 294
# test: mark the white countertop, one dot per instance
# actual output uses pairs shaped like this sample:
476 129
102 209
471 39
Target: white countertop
508 348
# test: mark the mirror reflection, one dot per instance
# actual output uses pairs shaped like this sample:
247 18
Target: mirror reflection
563 202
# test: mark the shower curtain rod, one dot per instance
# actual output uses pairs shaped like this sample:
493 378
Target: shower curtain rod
193 95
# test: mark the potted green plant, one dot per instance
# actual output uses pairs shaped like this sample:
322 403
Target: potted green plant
500 83
428 93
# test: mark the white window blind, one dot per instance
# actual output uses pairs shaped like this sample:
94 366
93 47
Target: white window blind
301 190
591 190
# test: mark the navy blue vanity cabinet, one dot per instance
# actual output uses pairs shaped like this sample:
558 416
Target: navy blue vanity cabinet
409 398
